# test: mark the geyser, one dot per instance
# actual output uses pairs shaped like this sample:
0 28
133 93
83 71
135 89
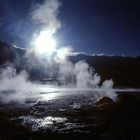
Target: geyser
75 78
44 43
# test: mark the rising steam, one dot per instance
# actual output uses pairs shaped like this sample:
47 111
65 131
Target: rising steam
46 14
78 76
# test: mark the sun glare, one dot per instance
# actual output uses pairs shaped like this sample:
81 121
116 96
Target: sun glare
62 53
45 43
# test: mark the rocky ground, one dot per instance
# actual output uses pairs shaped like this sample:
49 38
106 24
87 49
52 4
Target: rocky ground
105 120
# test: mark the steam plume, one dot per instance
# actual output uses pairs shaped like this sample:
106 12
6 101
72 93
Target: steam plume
79 75
46 14
14 83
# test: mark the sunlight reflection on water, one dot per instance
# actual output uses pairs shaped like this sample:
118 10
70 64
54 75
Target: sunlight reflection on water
38 123
48 92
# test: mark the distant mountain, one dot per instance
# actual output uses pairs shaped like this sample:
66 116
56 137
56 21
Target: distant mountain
9 53
125 71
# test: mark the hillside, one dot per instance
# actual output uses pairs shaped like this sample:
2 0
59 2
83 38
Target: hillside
125 71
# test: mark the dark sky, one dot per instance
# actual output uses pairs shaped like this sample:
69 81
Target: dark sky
91 26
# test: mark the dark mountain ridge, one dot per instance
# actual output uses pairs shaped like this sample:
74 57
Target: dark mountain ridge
8 53
125 71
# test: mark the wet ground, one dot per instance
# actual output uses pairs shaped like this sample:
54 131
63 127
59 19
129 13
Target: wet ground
72 115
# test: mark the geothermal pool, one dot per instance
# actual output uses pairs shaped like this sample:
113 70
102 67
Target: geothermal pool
58 110
42 92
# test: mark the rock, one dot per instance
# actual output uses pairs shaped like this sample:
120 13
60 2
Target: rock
104 101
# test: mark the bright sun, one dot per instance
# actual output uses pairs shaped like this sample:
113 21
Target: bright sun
44 43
